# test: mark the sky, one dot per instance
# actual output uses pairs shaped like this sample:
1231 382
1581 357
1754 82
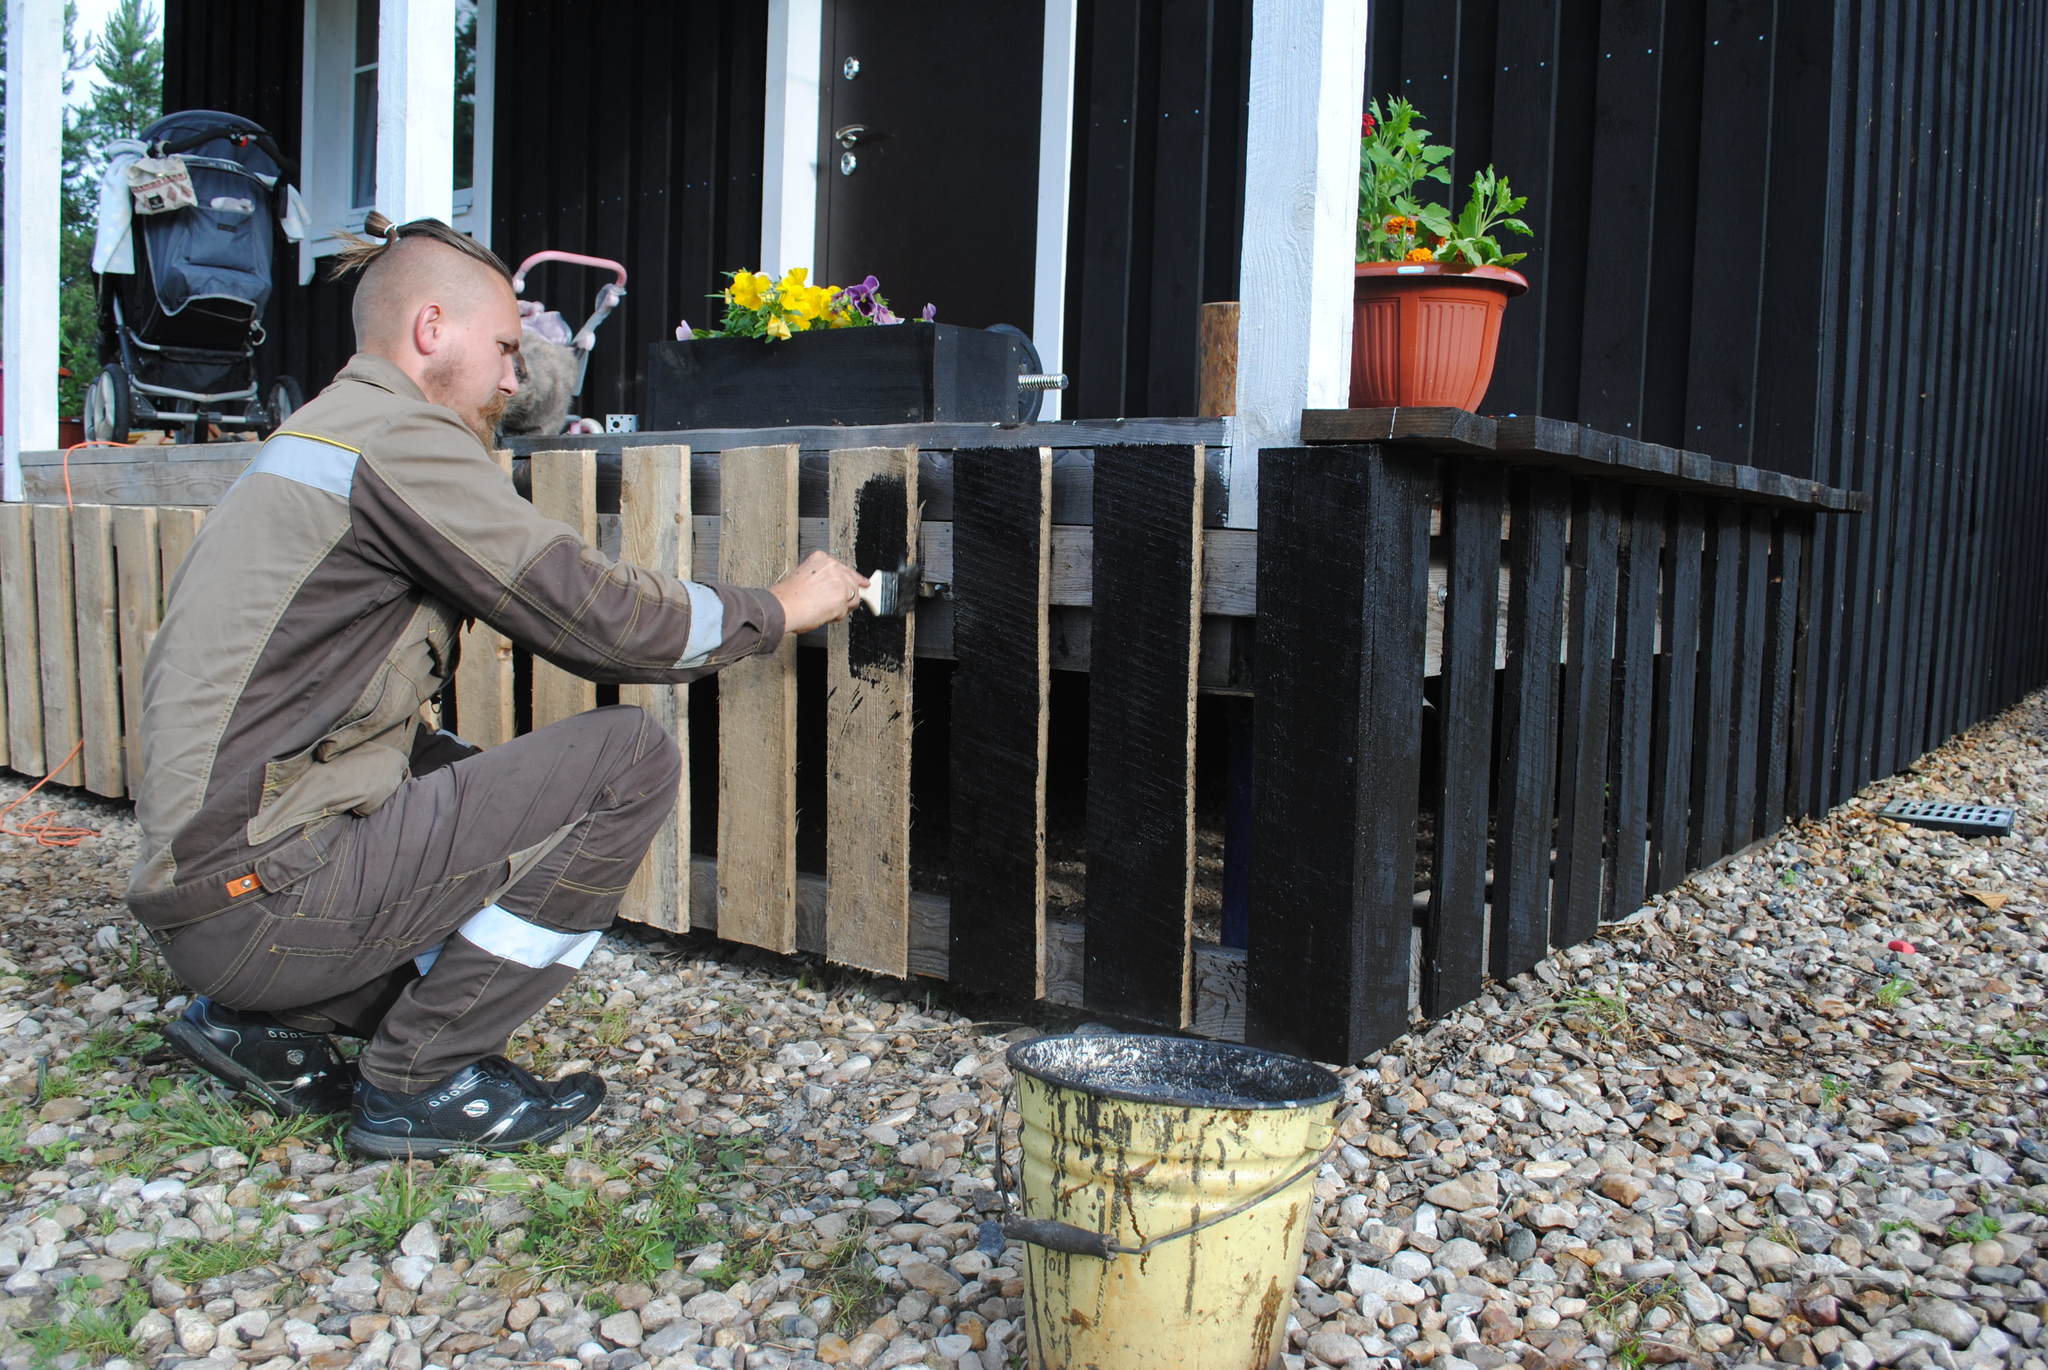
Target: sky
92 16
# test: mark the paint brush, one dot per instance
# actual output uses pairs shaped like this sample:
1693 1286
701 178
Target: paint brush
889 594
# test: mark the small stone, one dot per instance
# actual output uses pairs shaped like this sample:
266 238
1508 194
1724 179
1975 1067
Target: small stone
1335 1348
833 1349
196 1334
420 1240
1460 1256
952 1346
714 1309
1945 1319
1550 1217
1480 1190
1770 1259
1766 1305
934 1280
622 1328
411 1271
1623 1189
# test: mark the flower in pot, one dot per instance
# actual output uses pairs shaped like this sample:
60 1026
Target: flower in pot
1429 288
759 306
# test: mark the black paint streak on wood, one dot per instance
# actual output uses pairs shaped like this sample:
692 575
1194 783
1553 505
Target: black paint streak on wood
1781 652
1713 715
1343 557
1635 695
1454 932
1671 758
1538 506
1752 638
876 643
997 751
1588 691
1140 732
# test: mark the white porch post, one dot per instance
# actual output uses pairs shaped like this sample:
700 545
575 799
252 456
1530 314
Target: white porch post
416 109
1300 218
1055 190
35 124
789 144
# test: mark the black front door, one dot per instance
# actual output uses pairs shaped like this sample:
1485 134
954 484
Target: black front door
928 168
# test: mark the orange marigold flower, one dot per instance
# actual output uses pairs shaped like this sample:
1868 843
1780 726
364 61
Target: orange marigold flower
1419 254
1397 223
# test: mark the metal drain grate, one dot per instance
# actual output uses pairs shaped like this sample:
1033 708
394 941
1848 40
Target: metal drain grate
1975 820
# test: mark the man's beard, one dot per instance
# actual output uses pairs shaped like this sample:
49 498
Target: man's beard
483 421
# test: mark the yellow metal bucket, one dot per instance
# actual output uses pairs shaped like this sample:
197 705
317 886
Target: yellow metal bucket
1166 1190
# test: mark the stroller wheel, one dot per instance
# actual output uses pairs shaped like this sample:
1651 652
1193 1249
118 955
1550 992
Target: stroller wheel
280 398
108 411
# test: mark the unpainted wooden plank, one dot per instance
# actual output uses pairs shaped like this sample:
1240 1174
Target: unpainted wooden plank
1141 732
1539 504
484 700
868 718
1454 930
21 654
57 633
1336 742
654 506
177 528
1671 757
564 489
99 654
1001 690
1580 890
138 573
757 713
1635 674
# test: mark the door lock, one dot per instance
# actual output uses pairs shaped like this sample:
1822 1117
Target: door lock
847 163
851 69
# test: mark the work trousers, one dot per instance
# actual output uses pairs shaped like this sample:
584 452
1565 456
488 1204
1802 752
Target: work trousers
495 875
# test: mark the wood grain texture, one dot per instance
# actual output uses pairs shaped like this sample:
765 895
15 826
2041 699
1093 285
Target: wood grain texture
757 714
177 528
1671 756
1782 630
1752 648
99 652
1217 393
1539 505
57 632
564 489
1001 690
1336 748
139 596
1635 659
1141 732
868 720
21 653
1714 715
654 510
1454 931
484 712
1580 890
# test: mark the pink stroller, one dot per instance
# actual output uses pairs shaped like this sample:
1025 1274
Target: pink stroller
552 359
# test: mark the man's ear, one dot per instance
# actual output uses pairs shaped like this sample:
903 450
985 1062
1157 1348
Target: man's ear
428 328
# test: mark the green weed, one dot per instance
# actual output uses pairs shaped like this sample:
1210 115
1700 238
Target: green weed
197 1262
1979 1227
96 1330
1893 991
1590 1011
846 1275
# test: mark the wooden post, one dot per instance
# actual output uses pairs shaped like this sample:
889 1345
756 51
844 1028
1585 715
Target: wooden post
21 653
35 122
483 674
1219 358
58 649
1300 229
654 517
416 109
565 489
1588 689
140 592
99 674
867 720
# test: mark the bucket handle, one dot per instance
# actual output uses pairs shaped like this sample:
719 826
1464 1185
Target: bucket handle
1054 1235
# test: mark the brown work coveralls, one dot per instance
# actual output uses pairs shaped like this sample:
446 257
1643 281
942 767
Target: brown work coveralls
309 843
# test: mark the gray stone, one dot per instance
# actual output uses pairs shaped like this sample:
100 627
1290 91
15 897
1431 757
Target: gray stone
1945 1319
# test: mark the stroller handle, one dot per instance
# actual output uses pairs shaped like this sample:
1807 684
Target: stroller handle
574 259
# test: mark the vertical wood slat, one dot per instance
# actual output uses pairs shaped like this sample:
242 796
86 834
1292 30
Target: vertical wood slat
1454 930
564 489
1343 572
654 532
483 673
1713 719
1750 651
139 595
1144 634
177 528
105 754
1781 616
1677 696
57 633
23 639
1538 508
1002 568
757 545
1588 692
867 720
1635 698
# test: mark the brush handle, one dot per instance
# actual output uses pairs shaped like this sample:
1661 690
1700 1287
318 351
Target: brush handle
871 593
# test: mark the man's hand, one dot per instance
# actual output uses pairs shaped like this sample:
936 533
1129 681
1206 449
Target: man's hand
820 591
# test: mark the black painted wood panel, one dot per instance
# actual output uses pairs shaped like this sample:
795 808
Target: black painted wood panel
1579 892
1671 757
1634 701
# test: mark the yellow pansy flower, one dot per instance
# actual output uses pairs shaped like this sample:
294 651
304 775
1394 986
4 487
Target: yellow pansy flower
748 289
792 281
778 327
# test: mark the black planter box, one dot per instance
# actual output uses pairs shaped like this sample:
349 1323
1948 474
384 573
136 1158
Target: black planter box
897 373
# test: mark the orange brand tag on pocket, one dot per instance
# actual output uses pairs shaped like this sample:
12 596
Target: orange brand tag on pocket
247 884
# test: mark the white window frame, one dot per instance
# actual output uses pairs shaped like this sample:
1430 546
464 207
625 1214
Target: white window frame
326 142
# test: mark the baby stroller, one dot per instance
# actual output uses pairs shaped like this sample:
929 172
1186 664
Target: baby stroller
552 360
182 288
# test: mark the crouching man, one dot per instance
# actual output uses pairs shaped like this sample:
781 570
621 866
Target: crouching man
314 859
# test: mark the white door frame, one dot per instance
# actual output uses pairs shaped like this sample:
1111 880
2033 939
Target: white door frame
35 128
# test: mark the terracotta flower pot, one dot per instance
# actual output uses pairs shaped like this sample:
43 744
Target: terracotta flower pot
1425 334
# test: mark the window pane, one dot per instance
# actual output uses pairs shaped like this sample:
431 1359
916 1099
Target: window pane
363 181
465 94
366 32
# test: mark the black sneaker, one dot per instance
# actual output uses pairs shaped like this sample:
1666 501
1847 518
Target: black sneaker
287 1069
492 1105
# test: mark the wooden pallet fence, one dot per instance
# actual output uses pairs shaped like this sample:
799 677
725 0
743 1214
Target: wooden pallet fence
654 517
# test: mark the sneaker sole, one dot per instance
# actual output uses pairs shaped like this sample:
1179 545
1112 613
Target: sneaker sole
384 1146
192 1044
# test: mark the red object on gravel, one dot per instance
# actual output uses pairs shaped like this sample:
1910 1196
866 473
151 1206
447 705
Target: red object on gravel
1900 944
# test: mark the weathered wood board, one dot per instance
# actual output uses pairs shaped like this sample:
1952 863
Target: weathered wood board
21 654
57 634
564 489
99 654
654 504
138 571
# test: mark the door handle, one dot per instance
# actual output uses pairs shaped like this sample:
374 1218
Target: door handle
850 134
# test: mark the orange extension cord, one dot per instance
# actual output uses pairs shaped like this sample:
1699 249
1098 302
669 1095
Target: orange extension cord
42 829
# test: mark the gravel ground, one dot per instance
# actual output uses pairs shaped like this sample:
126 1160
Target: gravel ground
1740 1127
